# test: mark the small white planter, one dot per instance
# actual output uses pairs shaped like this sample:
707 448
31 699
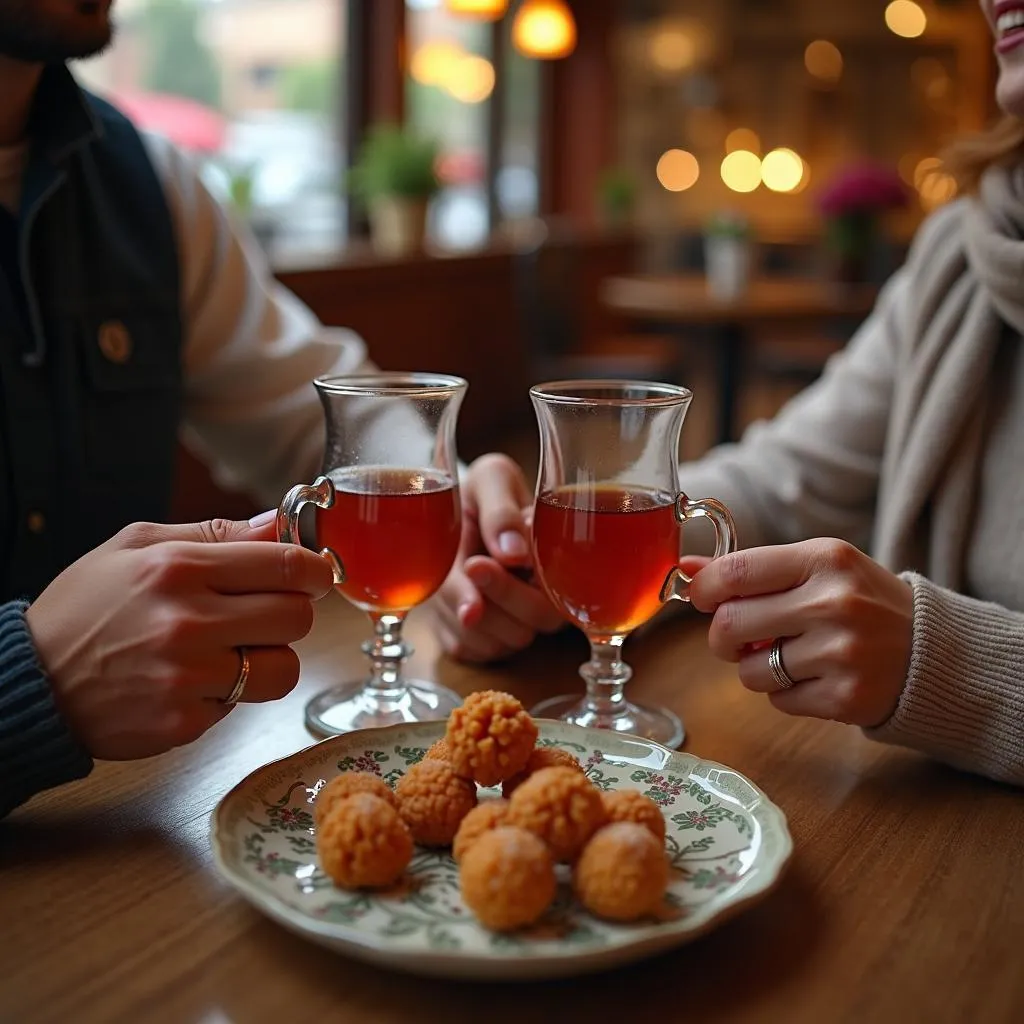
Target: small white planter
728 262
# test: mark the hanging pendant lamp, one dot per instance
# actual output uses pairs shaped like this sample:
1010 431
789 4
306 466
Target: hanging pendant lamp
544 29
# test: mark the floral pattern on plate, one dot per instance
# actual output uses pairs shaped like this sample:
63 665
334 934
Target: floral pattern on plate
727 842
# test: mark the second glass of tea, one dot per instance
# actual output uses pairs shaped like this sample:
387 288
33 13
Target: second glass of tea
607 532
388 518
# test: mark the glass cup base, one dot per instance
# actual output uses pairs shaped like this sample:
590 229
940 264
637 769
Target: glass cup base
657 724
352 706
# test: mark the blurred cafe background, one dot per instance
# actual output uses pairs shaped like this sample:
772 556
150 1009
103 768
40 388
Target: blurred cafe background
704 191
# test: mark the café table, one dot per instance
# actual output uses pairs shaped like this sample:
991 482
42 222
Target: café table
681 304
904 900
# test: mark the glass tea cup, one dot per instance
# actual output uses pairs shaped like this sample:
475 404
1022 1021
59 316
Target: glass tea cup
388 518
607 532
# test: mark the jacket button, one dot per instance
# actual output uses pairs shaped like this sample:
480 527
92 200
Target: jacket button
115 342
36 522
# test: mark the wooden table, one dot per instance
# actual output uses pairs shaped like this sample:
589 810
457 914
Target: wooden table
904 901
676 302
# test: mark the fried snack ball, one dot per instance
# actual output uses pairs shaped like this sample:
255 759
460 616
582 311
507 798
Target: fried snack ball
541 757
622 873
507 878
347 785
560 806
489 815
629 805
363 843
490 737
433 800
437 752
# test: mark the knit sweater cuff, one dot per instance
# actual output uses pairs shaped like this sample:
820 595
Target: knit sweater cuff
37 750
963 702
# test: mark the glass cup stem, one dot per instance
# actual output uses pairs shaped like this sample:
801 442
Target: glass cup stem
387 651
606 675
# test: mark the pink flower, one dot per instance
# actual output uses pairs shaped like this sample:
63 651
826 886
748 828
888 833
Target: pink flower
863 188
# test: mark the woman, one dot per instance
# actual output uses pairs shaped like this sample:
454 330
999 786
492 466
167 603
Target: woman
911 447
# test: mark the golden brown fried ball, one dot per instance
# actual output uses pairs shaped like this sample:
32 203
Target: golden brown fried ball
433 800
363 843
437 752
507 878
541 757
629 805
489 815
622 873
490 737
347 785
560 806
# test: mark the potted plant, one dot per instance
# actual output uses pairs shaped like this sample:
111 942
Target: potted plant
852 205
395 175
728 255
616 192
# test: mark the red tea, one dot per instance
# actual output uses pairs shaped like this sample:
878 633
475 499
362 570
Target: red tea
603 553
396 532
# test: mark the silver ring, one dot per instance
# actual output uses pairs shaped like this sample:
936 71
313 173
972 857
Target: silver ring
243 677
781 676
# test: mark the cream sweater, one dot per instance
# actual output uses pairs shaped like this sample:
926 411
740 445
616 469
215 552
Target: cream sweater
911 446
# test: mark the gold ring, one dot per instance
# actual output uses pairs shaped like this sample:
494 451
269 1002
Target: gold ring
779 673
243 677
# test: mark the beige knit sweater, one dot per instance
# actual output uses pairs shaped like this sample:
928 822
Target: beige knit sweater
887 450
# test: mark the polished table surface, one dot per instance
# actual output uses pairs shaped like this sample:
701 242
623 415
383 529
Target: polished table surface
904 900
684 299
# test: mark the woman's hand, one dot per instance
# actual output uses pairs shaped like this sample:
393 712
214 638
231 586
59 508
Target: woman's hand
847 624
140 637
488 608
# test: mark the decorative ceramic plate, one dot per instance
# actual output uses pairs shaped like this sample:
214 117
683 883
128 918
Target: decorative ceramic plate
728 845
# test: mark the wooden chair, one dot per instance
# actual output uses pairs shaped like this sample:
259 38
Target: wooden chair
550 295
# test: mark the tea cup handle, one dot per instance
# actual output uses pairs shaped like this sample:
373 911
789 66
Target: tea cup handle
677 583
320 494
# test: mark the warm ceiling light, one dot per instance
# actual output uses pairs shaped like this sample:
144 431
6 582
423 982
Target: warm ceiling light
471 80
544 29
678 170
741 171
824 61
484 10
782 170
742 138
906 18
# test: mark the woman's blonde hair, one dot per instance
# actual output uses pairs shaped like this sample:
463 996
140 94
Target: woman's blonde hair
969 158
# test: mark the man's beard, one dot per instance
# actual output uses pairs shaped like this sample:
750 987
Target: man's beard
32 31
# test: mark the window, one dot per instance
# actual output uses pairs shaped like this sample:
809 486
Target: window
448 91
253 89
518 181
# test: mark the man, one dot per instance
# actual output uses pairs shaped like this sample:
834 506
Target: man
132 309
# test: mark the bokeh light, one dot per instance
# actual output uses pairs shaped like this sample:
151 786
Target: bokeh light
471 79
741 171
673 49
934 184
782 170
544 29
678 170
824 61
742 138
906 18
485 10
432 62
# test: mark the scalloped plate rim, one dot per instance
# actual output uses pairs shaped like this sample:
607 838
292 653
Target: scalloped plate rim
461 964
